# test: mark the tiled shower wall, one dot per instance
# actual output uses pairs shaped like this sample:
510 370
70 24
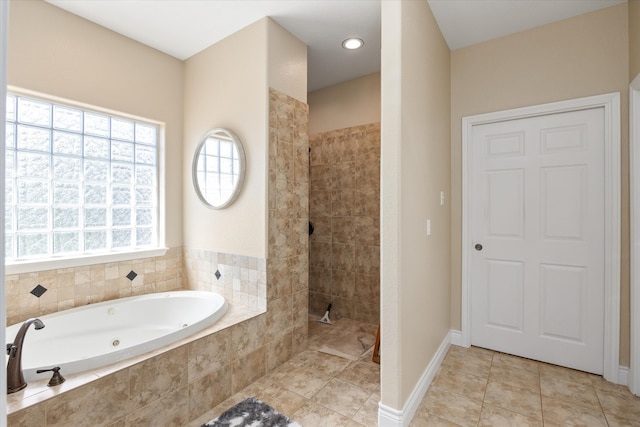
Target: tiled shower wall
344 257
288 247
78 286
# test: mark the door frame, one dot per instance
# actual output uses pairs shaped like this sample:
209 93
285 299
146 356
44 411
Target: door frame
611 104
4 20
634 202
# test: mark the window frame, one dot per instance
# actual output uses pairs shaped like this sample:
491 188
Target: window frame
78 260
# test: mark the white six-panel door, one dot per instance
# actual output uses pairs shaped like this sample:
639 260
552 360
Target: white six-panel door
537 266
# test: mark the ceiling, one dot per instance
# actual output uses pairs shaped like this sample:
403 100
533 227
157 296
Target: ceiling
182 28
467 22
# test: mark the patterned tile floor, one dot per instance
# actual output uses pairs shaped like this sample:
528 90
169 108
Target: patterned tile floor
477 387
474 387
318 389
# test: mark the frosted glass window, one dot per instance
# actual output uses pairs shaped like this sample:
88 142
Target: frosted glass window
67 118
144 236
33 138
122 173
121 238
121 195
122 151
96 124
66 193
11 107
95 194
77 181
68 168
10 135
34 112
33 165
122 129
67 143
98 148
66 218
144 175
31 192
66 242
122 216
96 171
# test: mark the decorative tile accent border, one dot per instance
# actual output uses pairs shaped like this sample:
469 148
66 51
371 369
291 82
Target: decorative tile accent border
241 279
74 287
38 291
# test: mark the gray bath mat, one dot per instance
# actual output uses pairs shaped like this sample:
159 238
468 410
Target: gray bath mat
251 412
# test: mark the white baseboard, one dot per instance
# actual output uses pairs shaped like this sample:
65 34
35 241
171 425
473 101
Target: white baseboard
390 417
456 338
623 375
625 379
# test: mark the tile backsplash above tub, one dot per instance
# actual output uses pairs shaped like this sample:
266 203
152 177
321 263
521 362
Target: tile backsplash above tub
73 287
241 279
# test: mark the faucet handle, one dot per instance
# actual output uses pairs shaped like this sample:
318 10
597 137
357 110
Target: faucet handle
56 379
11 349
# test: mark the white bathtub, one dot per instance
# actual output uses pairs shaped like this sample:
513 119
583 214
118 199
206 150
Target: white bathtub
95 335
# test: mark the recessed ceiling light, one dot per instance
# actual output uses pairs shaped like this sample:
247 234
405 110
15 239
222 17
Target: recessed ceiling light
352 43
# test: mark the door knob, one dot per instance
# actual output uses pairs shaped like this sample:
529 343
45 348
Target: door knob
478 247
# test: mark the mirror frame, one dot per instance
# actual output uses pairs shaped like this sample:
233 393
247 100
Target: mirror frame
241 156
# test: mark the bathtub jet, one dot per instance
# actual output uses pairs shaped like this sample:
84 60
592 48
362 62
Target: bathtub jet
85 338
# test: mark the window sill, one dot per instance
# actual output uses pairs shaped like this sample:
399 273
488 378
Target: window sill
30 266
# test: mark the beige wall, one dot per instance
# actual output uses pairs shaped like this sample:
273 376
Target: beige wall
415 168
287 62
57 53
574 58
235 96
352 103
634 38
225 86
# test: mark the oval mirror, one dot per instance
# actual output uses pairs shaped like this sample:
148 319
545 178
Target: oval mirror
218 168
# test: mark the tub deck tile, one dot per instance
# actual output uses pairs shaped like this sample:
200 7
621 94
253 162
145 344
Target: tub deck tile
108 396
